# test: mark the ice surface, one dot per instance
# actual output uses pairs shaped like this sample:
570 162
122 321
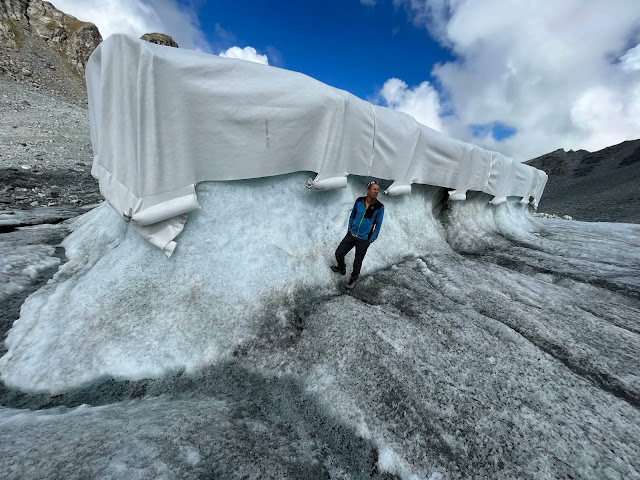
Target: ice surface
20 266
480 343
255 245
29 256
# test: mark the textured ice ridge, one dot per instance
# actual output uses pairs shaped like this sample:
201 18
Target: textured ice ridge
119 308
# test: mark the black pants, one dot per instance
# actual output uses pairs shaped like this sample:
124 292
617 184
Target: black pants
347 243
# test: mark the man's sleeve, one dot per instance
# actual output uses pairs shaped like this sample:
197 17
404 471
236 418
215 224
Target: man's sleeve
353 212
376 230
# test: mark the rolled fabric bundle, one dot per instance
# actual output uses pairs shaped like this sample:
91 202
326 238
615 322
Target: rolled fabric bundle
498 200
457 195
327 182
398 188
173 207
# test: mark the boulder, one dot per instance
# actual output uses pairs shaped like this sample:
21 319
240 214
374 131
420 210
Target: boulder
160 39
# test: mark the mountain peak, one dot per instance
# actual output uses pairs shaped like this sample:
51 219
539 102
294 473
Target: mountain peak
594 186
45 47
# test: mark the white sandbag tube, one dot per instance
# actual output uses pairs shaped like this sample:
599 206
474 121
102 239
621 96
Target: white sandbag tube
398 188
327 182
457 195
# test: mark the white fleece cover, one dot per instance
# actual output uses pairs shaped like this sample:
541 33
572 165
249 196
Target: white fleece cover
163 119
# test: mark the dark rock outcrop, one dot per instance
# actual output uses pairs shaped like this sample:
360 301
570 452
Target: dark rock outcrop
602 186
45 48
73 38
160 39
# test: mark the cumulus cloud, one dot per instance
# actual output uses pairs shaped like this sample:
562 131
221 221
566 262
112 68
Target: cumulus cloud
137 17
421 102
561 74
247 53
607 113
630 61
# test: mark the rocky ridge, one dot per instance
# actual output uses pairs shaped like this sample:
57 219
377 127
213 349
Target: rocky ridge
45 48
45 147
602 186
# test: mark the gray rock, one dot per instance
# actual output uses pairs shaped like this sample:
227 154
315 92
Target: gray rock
160 39
597 186
46 48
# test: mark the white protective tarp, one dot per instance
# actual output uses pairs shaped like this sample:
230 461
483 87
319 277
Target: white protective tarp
164 119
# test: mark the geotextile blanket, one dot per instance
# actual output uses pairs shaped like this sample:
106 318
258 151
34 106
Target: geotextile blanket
163 119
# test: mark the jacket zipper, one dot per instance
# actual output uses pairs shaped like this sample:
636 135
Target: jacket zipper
361 220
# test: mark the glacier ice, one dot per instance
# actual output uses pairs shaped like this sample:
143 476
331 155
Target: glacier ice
257 242
481 342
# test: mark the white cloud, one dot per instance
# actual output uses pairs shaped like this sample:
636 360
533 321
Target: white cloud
369 3
421 102
561 73
630 61
137 17
247 53
607 114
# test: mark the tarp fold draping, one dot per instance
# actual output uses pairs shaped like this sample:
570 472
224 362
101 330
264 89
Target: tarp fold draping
163 119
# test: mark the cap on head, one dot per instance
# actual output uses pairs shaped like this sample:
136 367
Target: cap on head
372 183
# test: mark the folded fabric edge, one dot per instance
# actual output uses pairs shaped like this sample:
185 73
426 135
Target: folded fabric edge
161 234
167 209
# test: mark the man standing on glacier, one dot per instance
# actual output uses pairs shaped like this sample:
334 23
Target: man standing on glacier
365 222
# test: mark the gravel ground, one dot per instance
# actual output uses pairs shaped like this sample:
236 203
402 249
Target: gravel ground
45 151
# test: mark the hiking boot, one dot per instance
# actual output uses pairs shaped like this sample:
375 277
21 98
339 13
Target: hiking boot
351 285
336 269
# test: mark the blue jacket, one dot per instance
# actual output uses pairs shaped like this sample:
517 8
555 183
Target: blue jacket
365 223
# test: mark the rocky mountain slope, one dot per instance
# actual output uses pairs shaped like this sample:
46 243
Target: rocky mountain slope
602 186
45 150
45 48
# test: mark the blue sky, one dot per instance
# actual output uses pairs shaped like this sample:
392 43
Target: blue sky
520 77
345 44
